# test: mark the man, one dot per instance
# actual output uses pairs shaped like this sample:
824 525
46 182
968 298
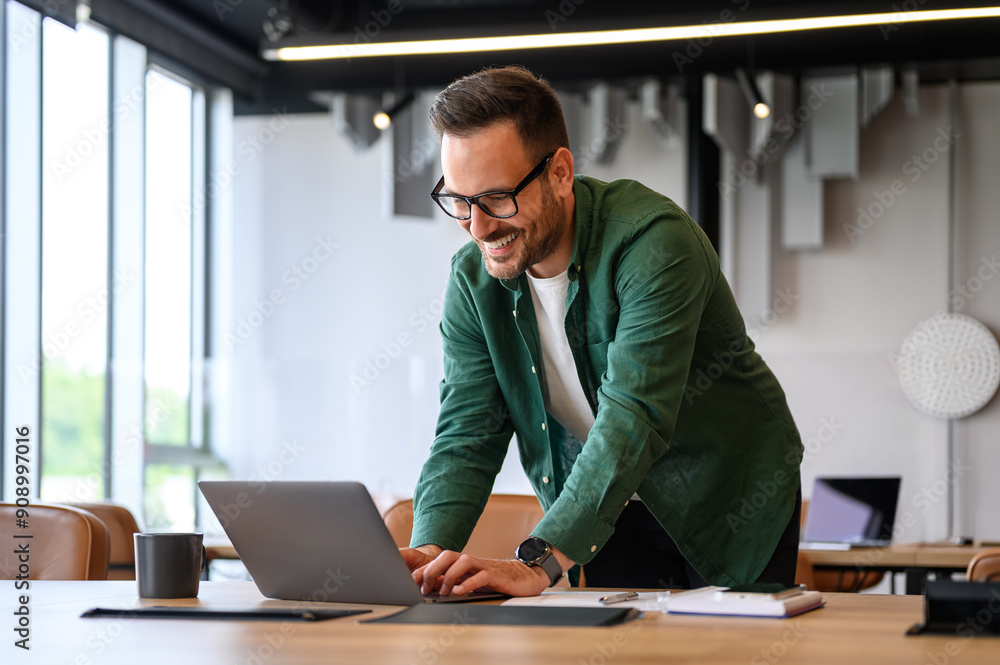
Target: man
592 321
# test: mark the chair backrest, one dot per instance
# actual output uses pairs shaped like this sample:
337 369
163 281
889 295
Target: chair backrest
121 549
506 521
67 543
984 567
832 580
804 573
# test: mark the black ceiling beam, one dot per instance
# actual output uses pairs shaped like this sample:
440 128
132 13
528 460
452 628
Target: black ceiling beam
967 50
165 31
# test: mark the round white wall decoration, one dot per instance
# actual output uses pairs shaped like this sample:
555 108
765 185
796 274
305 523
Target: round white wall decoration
949 366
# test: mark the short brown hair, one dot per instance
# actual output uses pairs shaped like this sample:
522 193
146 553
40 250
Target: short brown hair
493 95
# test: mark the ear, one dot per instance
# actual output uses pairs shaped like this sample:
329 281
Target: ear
561 173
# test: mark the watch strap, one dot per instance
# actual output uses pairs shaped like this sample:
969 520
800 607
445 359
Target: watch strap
550 564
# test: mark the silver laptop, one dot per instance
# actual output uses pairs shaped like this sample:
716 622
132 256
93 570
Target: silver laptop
316 541
847 512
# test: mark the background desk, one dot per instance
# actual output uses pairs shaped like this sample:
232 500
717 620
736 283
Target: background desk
914 560
851 628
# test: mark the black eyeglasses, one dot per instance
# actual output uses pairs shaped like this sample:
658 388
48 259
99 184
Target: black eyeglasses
495 204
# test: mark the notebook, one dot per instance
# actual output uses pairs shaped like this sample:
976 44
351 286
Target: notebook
851 512
513 615
316 541
719 601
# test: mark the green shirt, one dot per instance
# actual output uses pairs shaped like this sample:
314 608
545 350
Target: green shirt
687 413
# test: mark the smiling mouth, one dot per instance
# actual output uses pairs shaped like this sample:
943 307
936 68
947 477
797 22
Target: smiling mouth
503 242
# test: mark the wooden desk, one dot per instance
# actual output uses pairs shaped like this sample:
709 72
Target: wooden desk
851 628
914 560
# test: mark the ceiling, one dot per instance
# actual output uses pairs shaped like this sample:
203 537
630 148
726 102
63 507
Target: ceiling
222 39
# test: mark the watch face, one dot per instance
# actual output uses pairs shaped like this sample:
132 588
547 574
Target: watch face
532 549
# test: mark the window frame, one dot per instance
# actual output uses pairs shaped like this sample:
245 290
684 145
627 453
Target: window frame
127 452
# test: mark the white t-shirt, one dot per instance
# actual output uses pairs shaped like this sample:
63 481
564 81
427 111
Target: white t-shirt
564 396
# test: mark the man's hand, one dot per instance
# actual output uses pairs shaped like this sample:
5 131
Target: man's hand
453 573
417 557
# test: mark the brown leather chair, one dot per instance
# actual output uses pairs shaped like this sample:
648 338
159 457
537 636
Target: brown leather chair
984 567
67 543
506 521
804 573
833 580
121 525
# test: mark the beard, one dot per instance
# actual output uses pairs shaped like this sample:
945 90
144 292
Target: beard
535 243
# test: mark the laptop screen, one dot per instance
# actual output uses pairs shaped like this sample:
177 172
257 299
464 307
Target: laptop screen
854 510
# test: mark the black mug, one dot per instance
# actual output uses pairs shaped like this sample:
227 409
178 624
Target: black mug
169 565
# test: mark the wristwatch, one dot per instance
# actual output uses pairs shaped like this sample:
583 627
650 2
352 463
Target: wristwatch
536 552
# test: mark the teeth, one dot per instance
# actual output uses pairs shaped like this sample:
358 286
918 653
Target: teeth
502 242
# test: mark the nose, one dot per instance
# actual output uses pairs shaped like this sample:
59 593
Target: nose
481 225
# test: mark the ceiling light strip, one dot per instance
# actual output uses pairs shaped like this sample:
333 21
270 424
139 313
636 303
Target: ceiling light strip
608 37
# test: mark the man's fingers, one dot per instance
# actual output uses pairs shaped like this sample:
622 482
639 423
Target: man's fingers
470 584
459 570
435 569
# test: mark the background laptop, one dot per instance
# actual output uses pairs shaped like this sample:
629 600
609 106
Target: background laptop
851 512
316 541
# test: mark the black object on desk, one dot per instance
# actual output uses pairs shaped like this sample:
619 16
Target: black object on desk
507 615
965 609
257 614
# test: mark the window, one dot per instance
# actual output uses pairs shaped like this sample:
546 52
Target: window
104 165
74 258
174 229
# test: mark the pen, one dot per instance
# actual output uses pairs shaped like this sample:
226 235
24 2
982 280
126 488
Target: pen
619 597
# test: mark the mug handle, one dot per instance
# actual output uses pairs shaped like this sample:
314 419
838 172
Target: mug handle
204 559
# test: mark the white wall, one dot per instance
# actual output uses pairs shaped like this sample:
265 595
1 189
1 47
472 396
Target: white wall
855 301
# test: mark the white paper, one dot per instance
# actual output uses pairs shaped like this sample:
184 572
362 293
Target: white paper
648 601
